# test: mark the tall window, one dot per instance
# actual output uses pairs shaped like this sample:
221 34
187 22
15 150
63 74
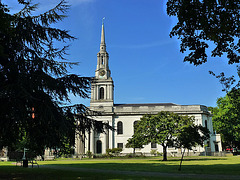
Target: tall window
206 123
99 147
134 126
119 127
102 60
101 93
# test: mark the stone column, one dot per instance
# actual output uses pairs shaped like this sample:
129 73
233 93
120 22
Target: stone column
113 133
92 94
111 92
104 143
96 92
107 137
105 92
92 141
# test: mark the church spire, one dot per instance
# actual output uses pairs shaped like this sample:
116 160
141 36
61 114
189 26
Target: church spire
102 84
103 45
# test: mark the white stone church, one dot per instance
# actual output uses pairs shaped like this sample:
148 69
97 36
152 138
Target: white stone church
123 116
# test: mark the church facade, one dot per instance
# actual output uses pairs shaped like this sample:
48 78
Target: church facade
123 116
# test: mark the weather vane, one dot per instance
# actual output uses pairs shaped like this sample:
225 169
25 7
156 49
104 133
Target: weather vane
103 19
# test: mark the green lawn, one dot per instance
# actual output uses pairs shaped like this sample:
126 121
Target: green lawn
191 165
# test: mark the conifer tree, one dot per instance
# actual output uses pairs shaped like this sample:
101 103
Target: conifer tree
34 81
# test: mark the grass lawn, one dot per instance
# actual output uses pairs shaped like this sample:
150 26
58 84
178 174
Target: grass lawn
191 165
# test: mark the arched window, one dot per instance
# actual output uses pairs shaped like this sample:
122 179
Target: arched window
206 123
102 61
101 92
134 126
119 127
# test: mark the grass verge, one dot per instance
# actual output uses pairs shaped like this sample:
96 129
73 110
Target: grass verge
191 165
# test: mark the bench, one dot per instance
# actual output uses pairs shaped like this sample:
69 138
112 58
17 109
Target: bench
29 162
34 162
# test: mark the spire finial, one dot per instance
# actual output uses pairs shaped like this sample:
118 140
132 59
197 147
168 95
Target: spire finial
103 20
103 35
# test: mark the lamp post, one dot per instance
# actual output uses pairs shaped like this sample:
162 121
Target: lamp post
25 161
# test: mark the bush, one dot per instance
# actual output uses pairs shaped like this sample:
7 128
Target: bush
89 154
114 151
154 152
131 155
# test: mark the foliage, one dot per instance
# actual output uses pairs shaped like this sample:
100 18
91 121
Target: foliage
89 154
163 129
202 21
226 118
204 24
35 83
134 142
114 151
155 152
190 137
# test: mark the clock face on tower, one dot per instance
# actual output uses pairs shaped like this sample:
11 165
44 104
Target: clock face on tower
102 73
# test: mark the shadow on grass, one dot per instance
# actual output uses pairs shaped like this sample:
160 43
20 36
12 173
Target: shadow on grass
19 173
217 169
190 159
112 170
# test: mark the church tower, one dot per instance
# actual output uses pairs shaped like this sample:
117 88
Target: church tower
102 83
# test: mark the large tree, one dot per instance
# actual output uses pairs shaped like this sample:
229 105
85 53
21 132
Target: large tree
226 118
204 24
34 80
163 129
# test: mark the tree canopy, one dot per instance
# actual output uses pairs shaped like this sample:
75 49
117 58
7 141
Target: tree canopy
206 24
226 118
34 81
166 129
191 136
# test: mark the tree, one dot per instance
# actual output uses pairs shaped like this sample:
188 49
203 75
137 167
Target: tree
204 23
163 128
191 136
226 118
34 80
134 142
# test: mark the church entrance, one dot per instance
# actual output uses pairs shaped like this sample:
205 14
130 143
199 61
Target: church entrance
99 147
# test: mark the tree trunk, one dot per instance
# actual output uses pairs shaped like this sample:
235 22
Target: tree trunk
180 167
164 153
134 151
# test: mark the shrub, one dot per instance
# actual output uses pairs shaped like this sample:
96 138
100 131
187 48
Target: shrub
154 152
89 154
114 151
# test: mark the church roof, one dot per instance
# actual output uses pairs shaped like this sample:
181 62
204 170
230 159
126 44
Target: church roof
147 104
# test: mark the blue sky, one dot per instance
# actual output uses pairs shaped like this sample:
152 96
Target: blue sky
145 62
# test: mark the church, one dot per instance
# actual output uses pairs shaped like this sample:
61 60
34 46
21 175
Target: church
123 116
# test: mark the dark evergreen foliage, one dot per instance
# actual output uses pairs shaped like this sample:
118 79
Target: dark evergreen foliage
35 83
